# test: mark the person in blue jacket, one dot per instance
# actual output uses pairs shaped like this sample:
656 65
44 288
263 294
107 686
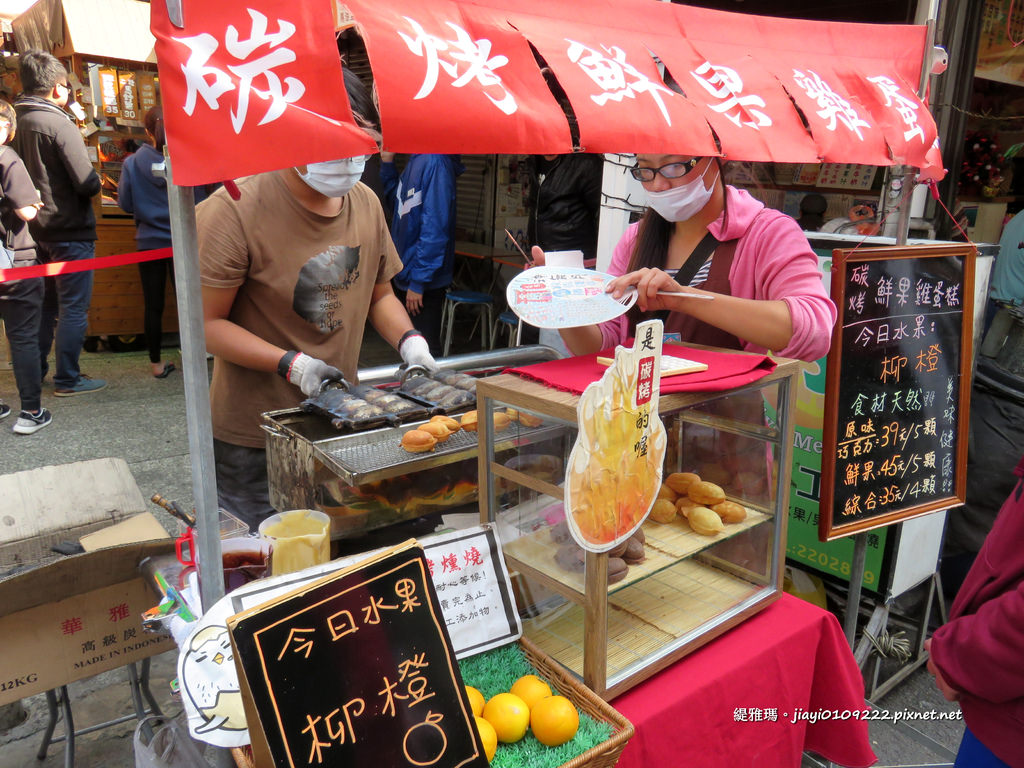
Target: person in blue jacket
423 228
143 194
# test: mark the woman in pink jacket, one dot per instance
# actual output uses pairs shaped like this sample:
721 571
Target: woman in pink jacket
700 236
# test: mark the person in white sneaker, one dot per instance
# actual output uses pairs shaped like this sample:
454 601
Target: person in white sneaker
49 142
29 422
21 300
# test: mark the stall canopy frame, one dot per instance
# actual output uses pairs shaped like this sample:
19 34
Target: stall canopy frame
240 81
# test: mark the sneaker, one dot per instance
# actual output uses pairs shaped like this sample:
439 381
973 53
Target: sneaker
84 386
5 410
29 422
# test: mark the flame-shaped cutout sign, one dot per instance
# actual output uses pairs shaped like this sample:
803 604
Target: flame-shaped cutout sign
615 466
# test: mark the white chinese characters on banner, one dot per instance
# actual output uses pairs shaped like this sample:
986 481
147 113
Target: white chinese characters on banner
616 77
463 59
832 107
906 108
210 83
726 85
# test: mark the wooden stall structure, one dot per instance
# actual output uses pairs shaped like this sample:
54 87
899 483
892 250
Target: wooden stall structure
108 50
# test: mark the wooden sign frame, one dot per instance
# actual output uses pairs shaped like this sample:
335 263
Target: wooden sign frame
303 654
829 527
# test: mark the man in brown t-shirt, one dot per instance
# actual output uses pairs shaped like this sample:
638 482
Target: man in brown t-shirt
290 273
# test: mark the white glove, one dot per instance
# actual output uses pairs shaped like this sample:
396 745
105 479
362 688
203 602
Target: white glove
307 373
415 351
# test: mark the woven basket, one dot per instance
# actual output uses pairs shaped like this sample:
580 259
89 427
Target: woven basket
604 755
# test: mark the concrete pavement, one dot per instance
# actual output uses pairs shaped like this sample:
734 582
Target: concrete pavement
142 420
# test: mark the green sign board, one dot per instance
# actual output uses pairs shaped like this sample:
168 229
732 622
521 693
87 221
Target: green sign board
802 545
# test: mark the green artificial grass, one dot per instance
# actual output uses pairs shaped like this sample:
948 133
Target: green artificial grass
494 672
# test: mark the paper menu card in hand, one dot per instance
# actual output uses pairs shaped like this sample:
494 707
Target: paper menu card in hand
564 297
615 467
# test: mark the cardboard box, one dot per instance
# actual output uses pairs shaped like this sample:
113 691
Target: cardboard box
75 618
144 527
41 507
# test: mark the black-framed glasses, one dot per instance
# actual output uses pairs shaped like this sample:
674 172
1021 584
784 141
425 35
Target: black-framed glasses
668 171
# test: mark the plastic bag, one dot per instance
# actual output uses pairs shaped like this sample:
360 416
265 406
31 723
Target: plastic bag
170 747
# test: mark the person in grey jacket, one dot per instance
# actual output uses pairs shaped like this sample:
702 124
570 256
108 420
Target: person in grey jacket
52 149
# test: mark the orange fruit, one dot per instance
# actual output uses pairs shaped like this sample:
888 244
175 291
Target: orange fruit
554 720
509 715
531 688
476 700
487 736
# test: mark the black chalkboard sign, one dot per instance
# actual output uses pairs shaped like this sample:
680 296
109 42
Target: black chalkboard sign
897 386
356 669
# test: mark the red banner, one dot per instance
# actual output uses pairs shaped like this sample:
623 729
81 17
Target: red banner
455 78
745 104
615 87
256 86
252 87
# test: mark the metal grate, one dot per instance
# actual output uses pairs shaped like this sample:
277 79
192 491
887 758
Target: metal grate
384 451
377 455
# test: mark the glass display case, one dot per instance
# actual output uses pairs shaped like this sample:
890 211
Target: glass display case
614 619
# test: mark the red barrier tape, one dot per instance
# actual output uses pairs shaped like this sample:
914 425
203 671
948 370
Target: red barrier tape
65 267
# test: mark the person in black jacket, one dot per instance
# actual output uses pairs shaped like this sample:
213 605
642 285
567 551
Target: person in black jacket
20 300
52 149
566 202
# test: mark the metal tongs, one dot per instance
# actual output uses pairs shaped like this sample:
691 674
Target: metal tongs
335 383
406 372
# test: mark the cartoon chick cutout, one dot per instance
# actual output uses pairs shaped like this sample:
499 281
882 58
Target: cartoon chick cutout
203 675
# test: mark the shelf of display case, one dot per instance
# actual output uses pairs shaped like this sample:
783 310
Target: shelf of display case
666 545
651 614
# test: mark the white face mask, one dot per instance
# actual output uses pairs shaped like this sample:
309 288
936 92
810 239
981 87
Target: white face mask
334 178
682 202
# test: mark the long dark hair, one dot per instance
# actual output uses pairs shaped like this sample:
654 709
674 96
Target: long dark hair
360 99
154 122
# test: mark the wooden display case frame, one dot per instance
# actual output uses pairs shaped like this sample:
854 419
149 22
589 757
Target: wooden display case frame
592 603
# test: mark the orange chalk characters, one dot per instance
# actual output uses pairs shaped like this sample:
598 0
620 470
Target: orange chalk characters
357 668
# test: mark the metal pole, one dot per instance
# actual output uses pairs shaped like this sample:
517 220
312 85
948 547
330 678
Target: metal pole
197 387
906 192
860 551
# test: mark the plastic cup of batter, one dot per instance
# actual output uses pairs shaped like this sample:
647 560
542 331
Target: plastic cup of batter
298 539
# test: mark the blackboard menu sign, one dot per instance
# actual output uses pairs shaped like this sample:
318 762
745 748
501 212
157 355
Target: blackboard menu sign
897 386
356 669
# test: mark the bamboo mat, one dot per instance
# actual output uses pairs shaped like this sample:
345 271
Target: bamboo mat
644 617
667 543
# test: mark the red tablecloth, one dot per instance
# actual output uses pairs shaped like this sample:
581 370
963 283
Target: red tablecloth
725 370
732 703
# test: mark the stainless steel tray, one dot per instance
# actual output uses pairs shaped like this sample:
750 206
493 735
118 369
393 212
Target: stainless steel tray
365 457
